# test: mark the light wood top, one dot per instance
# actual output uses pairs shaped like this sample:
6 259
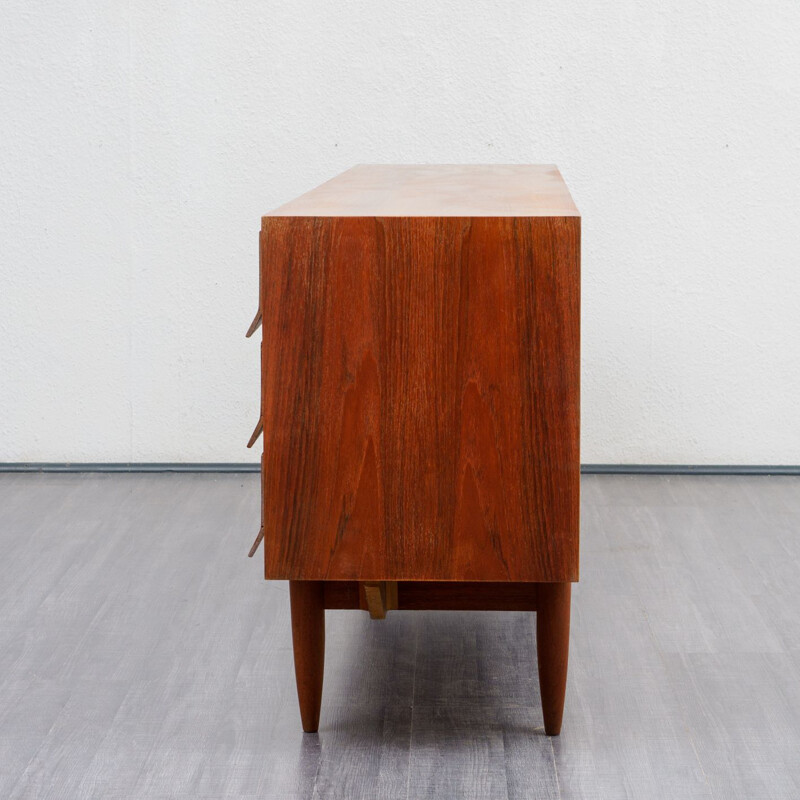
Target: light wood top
472 190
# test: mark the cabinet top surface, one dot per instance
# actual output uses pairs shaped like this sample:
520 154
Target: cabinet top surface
448 190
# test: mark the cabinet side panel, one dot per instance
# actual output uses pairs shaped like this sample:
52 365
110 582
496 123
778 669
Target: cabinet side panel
420 398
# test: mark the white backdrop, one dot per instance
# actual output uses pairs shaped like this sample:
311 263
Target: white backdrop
141 142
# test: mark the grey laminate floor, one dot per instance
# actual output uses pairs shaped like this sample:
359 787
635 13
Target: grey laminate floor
141 655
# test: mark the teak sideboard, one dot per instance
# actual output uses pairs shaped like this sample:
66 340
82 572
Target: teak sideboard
420 402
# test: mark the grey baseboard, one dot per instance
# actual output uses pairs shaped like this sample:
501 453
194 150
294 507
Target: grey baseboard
586 469
128 467
689 469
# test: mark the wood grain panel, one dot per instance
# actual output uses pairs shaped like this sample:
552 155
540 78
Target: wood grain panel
420 398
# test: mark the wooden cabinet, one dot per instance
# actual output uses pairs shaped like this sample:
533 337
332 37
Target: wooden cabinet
420 401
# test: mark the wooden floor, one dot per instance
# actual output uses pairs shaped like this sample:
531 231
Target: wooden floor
142 655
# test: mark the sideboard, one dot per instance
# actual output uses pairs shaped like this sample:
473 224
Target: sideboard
420 367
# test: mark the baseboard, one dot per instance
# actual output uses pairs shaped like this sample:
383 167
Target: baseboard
586 469
689 469
128 467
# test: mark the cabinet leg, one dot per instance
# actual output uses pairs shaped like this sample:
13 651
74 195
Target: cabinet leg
308 638
552 645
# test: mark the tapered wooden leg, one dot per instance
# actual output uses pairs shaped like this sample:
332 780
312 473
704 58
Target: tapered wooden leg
308 637
552 645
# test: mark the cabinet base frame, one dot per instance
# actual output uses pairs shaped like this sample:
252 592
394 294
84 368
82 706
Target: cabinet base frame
551 601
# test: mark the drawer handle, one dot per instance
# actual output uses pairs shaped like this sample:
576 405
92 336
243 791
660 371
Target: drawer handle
254 324
380 597
256 543
257 432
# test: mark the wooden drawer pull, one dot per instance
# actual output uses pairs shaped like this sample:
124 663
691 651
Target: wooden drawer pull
257 432
256 543
380 597
376 599
254 324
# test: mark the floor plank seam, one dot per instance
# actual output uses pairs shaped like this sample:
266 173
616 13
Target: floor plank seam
699 760
555 766
411 722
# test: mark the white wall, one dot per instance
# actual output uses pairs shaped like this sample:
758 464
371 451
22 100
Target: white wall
141 142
